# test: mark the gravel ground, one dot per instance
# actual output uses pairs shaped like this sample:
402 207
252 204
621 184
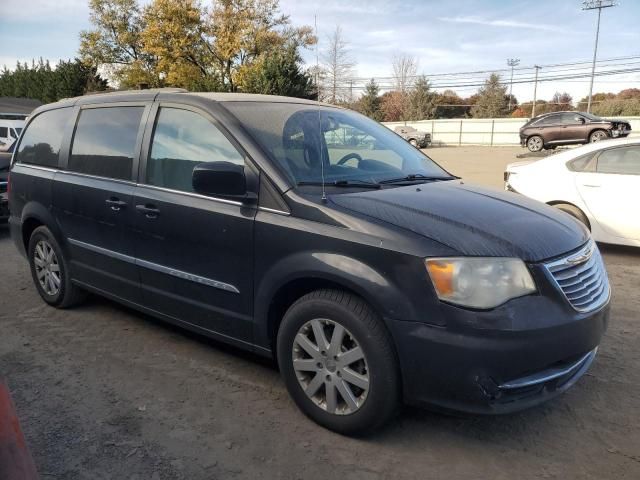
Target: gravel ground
104 392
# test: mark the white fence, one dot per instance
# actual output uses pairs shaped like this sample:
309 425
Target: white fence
481 131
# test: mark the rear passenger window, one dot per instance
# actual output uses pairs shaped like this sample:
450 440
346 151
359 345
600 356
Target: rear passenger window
182 140
105 141
622 160
42 140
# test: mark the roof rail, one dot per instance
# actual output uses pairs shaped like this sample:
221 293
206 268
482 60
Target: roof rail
124 92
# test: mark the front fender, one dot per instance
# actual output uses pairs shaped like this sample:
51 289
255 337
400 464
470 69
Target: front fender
373 285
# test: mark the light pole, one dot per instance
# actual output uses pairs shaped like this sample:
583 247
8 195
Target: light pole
595 5
535 91
512 62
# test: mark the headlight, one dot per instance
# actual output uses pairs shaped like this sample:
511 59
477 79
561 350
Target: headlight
479 282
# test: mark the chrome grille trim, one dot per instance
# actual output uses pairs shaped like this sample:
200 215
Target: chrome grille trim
582 278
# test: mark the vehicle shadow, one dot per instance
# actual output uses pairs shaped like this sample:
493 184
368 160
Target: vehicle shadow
608 248
418 426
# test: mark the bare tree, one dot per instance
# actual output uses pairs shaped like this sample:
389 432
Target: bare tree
338 69
405 68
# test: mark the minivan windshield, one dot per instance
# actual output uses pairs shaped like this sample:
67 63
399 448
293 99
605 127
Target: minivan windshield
309 141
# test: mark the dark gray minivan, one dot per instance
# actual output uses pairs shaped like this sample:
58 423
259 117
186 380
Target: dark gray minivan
317 236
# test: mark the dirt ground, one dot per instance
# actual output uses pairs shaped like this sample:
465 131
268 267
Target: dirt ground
104 392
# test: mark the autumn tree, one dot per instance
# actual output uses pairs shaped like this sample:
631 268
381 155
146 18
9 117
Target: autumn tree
338 68
175 35
560 102
180 43
115 43
370 103
393 106
492 99
449 104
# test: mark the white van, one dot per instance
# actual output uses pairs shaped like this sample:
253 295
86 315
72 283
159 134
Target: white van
11 125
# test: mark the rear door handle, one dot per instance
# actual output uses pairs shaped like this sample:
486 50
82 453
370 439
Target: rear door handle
591 185
115 204
150 211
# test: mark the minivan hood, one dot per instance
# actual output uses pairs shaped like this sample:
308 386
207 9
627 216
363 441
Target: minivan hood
473 220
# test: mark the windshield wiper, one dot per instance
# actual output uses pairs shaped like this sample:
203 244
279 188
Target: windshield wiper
342 183
414 177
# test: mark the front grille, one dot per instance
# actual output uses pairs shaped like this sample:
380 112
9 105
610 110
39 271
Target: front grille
582 278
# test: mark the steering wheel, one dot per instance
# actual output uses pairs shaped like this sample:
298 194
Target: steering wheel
348 157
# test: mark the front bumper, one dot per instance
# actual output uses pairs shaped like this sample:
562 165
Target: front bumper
547 348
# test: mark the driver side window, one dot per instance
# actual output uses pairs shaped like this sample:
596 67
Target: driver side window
348 141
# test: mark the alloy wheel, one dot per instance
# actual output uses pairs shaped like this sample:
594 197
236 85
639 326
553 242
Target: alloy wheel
330 366
535 144
47 268
598 136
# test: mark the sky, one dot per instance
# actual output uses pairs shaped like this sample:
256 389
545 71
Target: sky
445 36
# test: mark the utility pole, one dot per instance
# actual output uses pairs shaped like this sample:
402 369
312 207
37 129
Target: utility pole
512 62
535 91
595 5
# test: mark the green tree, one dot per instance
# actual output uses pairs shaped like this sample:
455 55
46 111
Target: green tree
39 81
279 73
370 103
492 99
422 100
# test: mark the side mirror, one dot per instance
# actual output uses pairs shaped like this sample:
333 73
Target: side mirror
221 179
580 120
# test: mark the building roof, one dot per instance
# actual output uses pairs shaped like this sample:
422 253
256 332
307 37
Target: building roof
14 105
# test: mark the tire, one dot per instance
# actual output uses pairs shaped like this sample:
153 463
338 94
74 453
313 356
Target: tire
54 285
575 212
374 401
535 143
597 136
414 142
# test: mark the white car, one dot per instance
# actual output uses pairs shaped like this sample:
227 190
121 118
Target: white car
599 184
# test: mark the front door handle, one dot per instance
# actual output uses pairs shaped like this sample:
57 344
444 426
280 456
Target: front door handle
591 185
115 204
150 211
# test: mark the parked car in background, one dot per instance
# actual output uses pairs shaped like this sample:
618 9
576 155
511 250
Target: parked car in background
10 128
551 130
415 137
314 235
598 184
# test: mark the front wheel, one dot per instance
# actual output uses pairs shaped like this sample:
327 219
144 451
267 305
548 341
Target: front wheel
535 143
598 136
414 142
338 362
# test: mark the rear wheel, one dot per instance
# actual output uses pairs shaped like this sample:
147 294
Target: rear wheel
50 270
597 136
575 212
535 143
338 362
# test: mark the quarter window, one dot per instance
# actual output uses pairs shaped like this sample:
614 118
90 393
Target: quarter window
42 140
622 160
105 141
182 140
